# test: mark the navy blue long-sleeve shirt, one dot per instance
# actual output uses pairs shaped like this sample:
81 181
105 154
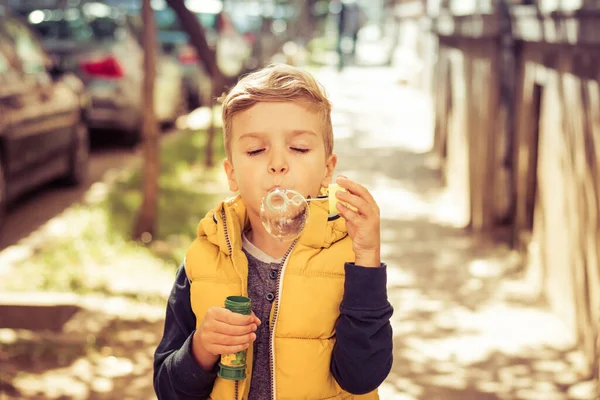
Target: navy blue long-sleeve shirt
361 359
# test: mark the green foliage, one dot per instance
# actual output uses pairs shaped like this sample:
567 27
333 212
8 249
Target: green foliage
87 248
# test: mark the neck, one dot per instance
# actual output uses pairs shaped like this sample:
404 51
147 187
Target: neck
260 238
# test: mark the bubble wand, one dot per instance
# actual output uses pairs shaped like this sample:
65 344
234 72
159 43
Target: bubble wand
284 212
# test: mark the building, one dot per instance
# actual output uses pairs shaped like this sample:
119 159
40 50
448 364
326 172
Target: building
517 108
556 158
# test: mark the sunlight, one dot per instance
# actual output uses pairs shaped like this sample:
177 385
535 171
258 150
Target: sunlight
7 336
102 385
113 367
53 384
199 119
13 255
486 268
466 325
398 202
387 391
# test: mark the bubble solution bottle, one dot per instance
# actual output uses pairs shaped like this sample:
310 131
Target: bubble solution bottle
233 366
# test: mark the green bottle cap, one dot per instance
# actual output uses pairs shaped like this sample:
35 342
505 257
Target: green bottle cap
232 373
239 304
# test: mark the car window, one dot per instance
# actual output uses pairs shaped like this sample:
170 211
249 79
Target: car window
166 20
26 47
8 54
80 30
246 23
10 67
76 30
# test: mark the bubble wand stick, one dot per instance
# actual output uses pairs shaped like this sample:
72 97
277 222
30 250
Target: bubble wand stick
284 212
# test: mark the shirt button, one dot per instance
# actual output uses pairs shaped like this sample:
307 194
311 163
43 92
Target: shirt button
270 296
273 274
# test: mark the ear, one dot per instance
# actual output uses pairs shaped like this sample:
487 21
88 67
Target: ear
329 169
233 186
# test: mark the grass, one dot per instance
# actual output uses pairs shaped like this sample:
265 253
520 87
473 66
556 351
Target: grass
187 192
88 249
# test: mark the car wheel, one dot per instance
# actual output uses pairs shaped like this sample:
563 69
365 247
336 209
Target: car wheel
133 136
79 156
193 100
3 196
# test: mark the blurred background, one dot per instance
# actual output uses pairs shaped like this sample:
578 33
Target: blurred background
475 124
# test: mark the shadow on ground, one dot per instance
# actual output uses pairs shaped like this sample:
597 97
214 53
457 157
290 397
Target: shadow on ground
466 324
110 360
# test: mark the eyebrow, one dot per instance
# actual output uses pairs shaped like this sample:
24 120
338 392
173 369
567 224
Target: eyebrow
296 132
303 132
250 135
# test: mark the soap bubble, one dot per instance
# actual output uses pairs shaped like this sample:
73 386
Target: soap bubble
284 213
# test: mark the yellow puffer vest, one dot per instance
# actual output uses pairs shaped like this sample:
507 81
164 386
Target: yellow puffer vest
304 316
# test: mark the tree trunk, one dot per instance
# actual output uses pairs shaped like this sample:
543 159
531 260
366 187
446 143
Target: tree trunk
145 224
209 161
190 24
305 23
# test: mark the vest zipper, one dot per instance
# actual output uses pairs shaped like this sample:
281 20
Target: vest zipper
237 383
275 312
226 233
274 322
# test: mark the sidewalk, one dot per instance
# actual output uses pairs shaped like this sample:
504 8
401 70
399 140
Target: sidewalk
463 328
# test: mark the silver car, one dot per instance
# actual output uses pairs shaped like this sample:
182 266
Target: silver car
102 46
42 133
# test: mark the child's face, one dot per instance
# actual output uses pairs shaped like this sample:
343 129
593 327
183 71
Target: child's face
277 144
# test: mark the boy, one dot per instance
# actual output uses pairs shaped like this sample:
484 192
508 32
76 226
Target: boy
320 323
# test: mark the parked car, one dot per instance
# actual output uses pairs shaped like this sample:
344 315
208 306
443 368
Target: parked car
43 135
233 49
102 46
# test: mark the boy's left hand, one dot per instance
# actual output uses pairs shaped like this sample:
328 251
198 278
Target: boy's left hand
363 225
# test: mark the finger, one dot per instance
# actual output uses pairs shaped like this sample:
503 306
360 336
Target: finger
232 330
257 321
356 189
358 203
218 339
229 317
348 214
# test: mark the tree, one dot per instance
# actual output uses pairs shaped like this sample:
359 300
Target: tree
305 24
146 218
220 82
190 24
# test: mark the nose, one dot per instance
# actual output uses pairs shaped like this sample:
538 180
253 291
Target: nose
278 163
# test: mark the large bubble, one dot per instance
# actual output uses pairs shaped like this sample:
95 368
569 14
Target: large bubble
284 213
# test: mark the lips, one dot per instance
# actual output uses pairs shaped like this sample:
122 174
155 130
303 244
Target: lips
274 188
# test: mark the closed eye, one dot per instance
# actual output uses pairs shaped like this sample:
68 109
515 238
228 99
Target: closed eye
299 150
255 152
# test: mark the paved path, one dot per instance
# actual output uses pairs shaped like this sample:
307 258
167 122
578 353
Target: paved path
463 327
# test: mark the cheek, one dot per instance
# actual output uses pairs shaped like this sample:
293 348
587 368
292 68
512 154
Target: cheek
248 175
243 173
312 171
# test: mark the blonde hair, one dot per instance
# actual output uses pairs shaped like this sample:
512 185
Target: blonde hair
276 83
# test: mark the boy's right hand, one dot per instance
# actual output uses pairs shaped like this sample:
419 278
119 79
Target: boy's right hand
223 332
